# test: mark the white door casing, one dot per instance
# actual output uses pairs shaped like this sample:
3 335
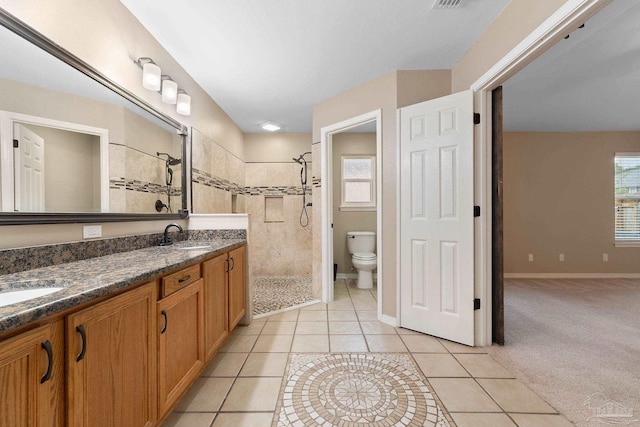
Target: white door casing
436 217
29 170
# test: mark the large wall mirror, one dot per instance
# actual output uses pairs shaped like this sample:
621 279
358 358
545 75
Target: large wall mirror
75 146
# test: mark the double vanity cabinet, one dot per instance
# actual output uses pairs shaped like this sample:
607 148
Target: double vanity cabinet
124 361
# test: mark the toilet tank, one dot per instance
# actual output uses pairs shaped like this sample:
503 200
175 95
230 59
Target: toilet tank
361 241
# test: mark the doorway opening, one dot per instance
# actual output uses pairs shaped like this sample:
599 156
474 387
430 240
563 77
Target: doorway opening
369 122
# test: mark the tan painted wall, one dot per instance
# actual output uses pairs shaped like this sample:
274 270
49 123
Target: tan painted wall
70 160
275 147
559 198
385 93
108 37
343 144
512 26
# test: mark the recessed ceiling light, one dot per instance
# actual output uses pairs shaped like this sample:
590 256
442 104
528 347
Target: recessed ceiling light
270 126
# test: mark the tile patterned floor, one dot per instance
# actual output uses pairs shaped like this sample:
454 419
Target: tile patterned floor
273 293
241 385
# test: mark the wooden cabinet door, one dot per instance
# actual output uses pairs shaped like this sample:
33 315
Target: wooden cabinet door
180 343
111 361
216 324
32 378
237 293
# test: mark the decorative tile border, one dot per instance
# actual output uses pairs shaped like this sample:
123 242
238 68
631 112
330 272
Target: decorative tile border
142 186
29 258
205 178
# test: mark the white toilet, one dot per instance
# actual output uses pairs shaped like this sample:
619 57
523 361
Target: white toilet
362 244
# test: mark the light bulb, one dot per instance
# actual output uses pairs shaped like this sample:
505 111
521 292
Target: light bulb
169 90
184 103
151 76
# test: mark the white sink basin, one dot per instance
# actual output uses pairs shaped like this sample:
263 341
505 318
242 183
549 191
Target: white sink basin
188 247
14 297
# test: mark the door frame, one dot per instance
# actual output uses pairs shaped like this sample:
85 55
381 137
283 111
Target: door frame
567 18
326 170
7 120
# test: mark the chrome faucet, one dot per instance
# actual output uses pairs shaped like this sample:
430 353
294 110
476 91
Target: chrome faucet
166 240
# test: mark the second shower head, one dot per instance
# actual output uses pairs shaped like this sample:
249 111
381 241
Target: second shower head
171 161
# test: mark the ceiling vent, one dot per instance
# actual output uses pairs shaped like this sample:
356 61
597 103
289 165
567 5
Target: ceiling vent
450 4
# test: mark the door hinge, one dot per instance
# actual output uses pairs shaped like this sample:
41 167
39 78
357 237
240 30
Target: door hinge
476 304
476 118
15 143
476 211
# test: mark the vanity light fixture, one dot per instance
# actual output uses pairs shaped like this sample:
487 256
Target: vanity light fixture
153 80
184 103
271 126
169 90
151 74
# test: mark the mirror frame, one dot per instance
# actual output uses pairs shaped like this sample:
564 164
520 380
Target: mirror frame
26 218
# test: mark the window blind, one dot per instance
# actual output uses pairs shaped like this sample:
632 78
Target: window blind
627 196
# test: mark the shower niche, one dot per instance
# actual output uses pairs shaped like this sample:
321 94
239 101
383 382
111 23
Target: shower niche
274 209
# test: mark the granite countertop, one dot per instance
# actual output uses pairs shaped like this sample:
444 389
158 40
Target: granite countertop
96 277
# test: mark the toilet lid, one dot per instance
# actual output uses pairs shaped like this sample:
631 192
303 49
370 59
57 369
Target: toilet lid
364 256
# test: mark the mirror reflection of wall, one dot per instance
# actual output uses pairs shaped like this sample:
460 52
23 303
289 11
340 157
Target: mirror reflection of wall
71 170
36 84
218 177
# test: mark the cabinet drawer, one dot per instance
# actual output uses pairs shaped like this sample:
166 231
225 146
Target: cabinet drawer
178 280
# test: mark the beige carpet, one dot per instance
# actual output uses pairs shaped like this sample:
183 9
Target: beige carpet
577 344
357 390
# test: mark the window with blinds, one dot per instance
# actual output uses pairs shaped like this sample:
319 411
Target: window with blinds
627 196
358 183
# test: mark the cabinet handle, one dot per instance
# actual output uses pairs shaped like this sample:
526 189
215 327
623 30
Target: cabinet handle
166 321
227 267
233 263
184 279
49 349
83 335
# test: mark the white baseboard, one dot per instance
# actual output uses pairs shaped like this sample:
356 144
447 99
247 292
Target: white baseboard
388 320
218 221
572 275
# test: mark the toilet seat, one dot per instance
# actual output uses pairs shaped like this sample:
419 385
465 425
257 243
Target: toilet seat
364 256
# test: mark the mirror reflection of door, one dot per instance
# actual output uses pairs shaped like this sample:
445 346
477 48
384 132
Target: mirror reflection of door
29 169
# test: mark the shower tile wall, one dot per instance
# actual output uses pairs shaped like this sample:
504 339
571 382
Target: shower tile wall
217 176
278 248
138 179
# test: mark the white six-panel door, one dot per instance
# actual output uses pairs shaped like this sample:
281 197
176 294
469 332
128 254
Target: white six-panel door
436 217
29 170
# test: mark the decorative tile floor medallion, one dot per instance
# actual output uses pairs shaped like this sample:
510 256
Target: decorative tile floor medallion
357 389
272 293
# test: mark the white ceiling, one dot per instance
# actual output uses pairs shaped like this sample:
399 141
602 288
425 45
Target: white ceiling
588 82
273 60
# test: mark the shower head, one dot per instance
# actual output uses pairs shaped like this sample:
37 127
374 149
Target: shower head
301 158
171 161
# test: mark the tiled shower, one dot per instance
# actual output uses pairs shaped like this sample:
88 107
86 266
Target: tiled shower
281 247
271 193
